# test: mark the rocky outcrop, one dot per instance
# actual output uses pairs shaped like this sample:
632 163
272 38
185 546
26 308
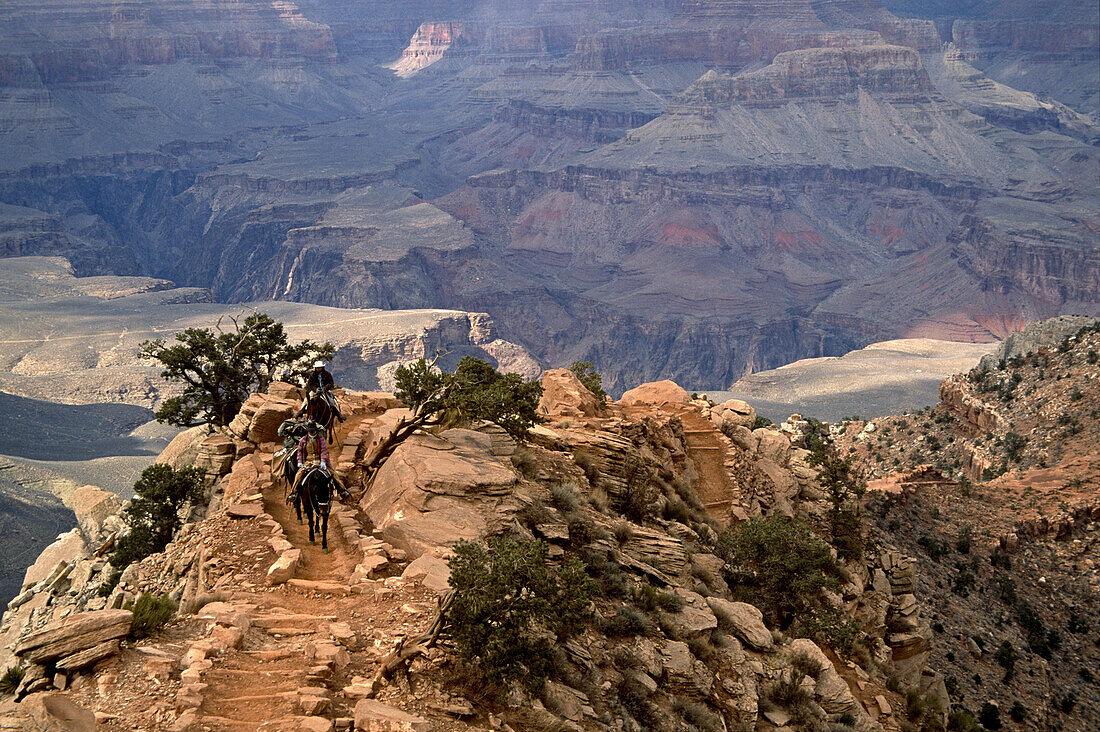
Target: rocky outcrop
957 395
666 394
744 620
60 641
260 417
95 509
435 491
564 396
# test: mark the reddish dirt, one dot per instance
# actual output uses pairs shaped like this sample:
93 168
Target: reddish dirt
709 455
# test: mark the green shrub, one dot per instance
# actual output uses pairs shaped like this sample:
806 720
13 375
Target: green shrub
582 530
778 565
585 462
964 540
761 422
525 464
564 498
806 665
1014 445
963 721
1006 656
11 679
830 626
989 716
591 378
623 532
677 510
505 594
937 549
151 613
787 692
153 514
218 370
635 699
843 485
669 602
963 583
698 715
627 621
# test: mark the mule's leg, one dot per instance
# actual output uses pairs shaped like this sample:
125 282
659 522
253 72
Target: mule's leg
324 528
298 507
307 501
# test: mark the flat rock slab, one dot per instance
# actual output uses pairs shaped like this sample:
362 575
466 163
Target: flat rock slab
75 633
244 510
332 588
747 622
374 716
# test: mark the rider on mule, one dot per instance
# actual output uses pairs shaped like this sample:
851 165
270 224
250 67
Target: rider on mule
320 381
292 431
313 455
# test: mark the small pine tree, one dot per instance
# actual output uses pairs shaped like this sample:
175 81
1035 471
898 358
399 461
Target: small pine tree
778 565
219 369
591 378
153 514
507 601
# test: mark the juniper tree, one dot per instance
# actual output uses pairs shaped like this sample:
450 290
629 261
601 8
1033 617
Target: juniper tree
220 368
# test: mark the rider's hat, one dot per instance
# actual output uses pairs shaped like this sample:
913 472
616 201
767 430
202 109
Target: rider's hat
318 364
312 425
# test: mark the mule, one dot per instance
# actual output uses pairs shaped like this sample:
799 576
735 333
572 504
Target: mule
315 496
289 471
319 411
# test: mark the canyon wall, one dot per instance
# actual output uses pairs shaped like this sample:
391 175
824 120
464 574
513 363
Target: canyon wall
630 183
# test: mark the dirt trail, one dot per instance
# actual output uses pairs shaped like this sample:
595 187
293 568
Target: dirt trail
271 682
709 455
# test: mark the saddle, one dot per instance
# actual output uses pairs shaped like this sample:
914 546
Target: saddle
308 469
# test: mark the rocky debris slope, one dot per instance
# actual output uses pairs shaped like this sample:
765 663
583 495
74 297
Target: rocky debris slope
997 488
273 631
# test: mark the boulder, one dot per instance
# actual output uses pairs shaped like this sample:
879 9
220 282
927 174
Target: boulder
92 506
773 445
744 620
563 395
260 417
432 492
432 572
283 390
284 567
733 413
658 394
183 450
74 633
215 456
694 618
53 712
374 716
380 429
684 675
658 549
68 547
831 691
784 488
88 656
744 438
